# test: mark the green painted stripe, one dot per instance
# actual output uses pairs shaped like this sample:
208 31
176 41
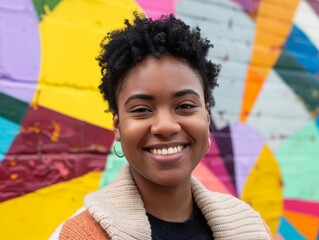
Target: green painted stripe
42 5
301 82
12 108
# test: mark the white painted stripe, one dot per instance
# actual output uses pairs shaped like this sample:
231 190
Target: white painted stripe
308 21
56 234
232 33
278 112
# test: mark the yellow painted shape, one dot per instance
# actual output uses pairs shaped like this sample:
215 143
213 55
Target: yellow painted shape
263 189
36 215
273 25
70 38
85 105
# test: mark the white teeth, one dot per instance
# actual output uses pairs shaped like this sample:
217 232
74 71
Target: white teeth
170 150
167 151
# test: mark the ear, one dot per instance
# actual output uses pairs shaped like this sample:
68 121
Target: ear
116 127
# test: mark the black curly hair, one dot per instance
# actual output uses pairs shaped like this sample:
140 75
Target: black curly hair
122 50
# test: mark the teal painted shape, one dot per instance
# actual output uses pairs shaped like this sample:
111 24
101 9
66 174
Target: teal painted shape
287 231
8 131
299 79
303 50
113 165
42 6
12 109
298 160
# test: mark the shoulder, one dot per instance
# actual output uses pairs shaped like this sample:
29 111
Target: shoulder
80 226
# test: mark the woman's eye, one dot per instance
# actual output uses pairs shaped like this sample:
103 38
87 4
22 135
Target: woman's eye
186 106
140 110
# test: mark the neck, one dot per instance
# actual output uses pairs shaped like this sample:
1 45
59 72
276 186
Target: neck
174 204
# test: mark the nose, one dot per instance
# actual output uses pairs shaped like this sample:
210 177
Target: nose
165 124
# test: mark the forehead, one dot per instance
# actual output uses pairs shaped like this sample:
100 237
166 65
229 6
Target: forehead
161 75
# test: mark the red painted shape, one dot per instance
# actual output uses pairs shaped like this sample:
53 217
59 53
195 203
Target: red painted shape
49 149
302 206
47 131
32 172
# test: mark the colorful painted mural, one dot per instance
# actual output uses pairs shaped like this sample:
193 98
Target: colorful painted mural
56 140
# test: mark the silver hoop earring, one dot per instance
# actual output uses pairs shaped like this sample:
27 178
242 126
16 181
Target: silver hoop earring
114 150
209 145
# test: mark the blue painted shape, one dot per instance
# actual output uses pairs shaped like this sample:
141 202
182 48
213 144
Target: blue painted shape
303 50
8 131
317 121
317 235
287 231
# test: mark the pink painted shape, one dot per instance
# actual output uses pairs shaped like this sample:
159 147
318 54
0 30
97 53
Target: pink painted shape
278 237
215 164
302 206
210 181
155 9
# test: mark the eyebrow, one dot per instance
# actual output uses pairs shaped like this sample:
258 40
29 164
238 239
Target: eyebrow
139 96
185 92
150 97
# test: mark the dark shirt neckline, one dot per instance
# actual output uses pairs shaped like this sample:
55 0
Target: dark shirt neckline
194 228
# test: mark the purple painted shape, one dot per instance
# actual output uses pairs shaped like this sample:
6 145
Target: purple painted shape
20 50
247 145
248 5
21 91
215 163
314 4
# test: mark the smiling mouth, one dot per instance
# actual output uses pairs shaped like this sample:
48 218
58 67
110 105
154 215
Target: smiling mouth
166 151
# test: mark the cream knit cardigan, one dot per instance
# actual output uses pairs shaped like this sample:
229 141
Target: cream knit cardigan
119 210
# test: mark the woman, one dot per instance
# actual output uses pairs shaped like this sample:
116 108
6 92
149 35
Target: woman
158 84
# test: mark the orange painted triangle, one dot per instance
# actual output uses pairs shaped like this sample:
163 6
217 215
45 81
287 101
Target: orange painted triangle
306 225
273 25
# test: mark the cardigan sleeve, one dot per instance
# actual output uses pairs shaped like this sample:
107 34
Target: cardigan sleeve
80 227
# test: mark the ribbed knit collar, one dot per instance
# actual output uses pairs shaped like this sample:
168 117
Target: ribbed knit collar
120 211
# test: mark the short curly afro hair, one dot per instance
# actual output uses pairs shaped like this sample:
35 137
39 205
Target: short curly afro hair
122 50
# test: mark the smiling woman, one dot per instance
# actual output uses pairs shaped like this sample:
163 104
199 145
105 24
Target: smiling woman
159 84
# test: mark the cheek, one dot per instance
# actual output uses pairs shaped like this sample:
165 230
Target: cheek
133 133
198 126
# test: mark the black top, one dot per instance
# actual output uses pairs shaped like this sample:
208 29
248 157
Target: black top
195 228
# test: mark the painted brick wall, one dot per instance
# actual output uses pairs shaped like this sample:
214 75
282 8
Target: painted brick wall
56 141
